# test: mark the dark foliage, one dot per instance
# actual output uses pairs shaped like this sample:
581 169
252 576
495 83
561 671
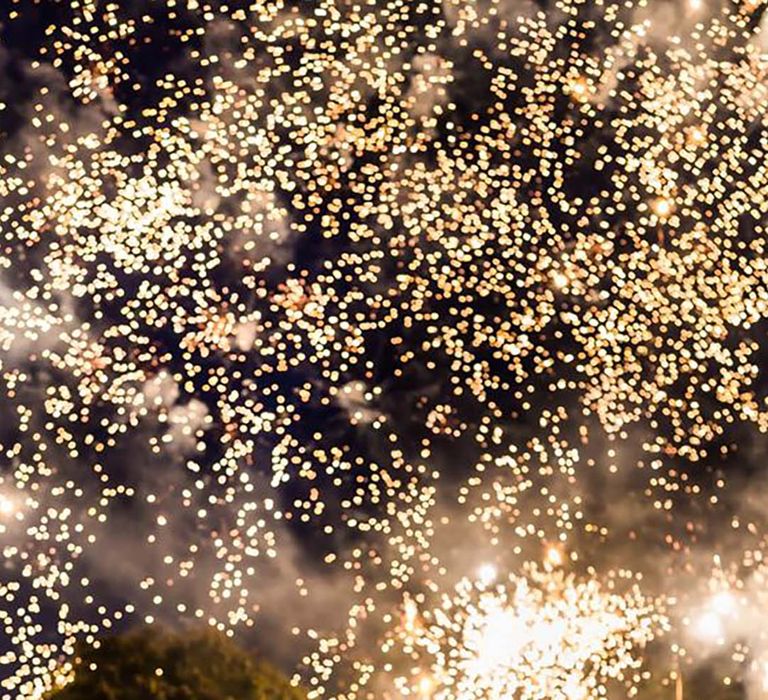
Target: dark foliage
151 664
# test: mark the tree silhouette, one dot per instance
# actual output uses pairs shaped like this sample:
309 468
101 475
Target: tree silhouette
152 664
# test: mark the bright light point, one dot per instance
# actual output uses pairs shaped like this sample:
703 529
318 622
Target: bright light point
708 627
487 574
6 506
554 556
696 136
578 88
560 280
662 207
724 603
410 615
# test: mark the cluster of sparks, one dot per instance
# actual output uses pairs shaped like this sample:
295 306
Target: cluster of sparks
311 310
541 635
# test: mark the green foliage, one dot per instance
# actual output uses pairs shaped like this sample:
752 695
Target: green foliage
150 664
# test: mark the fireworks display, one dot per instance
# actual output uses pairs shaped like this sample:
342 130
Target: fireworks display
543 636
418 343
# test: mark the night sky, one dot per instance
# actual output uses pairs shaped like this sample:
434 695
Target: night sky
418 346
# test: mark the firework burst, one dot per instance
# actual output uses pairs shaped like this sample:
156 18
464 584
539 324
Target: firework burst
308 309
